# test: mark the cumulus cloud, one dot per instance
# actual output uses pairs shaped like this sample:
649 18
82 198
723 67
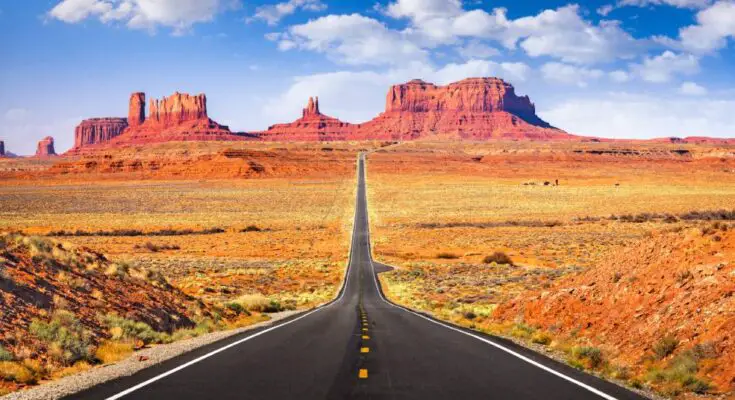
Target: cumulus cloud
664 67
273 13
569 74
715 25
674 3
692 89
624 115
352 39
180 15
476 49
561 33
358 96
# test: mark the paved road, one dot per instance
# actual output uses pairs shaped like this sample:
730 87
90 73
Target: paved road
360 347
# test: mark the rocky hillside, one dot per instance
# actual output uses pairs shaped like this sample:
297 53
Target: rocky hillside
61 304
664 309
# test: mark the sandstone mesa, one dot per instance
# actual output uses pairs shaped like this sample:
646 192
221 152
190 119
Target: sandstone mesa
476 109
45 147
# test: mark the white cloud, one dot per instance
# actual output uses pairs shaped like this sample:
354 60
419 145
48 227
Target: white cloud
569 74
619 76
562 34
180 15
273 13
354 40
674 3
476 49
664 67
715 25
605 9
358 96
622 115
692 89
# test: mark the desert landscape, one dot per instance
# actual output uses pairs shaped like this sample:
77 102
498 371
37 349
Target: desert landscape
612 256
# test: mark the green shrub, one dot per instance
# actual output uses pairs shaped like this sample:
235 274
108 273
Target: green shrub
592 355
5 355
665 346
250 228
126 329
498 258
66 337
542 338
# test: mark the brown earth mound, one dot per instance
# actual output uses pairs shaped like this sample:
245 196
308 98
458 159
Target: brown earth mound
664 307
60 301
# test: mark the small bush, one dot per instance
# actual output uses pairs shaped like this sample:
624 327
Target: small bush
522 331
260 303
113 351
250 228
5 355
469 315
66 337
447 256
665 346
16 372
542 338
498 258
592 355
126 329
237 308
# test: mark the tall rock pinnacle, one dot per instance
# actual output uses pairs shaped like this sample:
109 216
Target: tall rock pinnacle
136 110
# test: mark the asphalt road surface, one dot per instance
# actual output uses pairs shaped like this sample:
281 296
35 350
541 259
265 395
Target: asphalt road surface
360 347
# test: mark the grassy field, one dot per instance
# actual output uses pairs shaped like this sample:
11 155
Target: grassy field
471 228
210 238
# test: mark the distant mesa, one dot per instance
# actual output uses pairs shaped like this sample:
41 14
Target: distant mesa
473 109
45 147
180 117
2 148
312 126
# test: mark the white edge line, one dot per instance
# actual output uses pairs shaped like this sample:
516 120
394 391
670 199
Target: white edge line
343 290
500 347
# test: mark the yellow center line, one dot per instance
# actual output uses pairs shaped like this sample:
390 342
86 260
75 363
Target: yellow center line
365 337
365 350
363 374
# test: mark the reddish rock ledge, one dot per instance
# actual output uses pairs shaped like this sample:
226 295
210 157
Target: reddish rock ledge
45 147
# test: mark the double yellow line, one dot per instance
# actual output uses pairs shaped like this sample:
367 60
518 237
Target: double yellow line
364 349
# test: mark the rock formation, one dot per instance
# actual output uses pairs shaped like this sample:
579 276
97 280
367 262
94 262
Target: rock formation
2 148
45 147
98 130
136 109
178 108
312 126
474 109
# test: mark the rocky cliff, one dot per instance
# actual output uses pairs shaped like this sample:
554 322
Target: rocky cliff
45 147
475 108
98 130
312 126
178 108
136 109
2 148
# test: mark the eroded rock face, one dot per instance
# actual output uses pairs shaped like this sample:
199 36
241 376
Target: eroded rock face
473 109
178 108
136 109
45 147
98 130
312 126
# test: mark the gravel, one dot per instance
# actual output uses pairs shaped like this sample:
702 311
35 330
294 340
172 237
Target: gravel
155 355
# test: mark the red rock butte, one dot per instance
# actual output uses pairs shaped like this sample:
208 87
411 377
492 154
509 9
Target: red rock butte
473 109
180 117
2 148
45 147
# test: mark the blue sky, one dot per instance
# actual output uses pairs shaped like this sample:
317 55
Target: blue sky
613 68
